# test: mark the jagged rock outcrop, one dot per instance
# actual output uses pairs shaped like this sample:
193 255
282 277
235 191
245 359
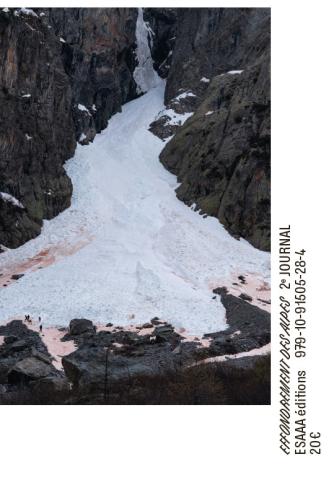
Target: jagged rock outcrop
63 73
29 369
81 325
221 155
23 356
111 357
248 327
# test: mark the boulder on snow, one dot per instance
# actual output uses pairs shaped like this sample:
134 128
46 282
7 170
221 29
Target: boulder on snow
156 321
147 325
81 325
166 333
17 276
246 297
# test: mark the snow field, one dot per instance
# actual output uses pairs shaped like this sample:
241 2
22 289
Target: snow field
147 254
127 249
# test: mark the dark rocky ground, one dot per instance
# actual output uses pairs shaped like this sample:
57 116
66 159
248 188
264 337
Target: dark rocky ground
26 365
122 366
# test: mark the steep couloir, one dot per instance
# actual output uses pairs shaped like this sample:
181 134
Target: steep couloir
64 72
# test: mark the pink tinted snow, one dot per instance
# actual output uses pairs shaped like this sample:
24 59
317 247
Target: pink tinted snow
44 258
254 286
265 350
52 338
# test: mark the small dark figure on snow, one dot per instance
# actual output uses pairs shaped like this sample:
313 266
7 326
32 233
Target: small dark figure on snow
41 328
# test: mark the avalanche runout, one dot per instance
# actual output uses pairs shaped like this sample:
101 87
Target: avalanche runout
127 249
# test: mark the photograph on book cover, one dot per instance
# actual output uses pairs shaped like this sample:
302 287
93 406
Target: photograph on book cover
135 206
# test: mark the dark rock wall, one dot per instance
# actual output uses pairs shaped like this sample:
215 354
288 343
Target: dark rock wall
223 159
210 41
50 63
163 23
36 126
98 56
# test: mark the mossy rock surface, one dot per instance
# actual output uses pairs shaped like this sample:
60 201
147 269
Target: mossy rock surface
222 159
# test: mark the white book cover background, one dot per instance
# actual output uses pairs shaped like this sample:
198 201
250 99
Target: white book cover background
209 442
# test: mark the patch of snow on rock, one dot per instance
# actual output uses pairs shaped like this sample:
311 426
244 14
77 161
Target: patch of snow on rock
265 350
174 118
205 80
10 199
82 108
234 72
184 95
27 11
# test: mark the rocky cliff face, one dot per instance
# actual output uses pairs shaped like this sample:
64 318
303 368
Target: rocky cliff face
221 155
36 126
97 50
210 41
63 73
